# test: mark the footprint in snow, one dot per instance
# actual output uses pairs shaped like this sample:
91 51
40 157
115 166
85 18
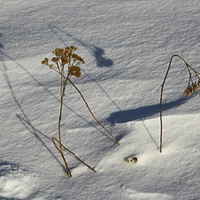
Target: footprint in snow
15 182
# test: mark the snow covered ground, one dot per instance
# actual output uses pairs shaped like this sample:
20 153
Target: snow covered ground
127 46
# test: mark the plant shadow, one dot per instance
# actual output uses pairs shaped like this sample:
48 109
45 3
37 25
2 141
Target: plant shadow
143 112
1 45
101 60
98 53
23 118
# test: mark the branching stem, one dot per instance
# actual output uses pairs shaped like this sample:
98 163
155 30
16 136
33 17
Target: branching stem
62 57
84 100
62 155
72 153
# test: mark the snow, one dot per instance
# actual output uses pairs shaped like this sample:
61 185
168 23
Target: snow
127 47
15 182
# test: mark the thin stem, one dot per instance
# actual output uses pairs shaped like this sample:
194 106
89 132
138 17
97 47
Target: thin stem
62 89
62 155
60 149
161 97
93 114
161 94
53 138
60 115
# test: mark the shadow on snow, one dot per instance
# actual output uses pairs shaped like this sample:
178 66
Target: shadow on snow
143 112
1 45
97 52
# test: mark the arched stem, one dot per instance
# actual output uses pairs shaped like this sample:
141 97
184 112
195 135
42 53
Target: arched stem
162 90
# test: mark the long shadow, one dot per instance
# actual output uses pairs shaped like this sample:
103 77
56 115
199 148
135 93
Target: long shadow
143 112
46 89
98 53
1 45
151 137
2 54
24 118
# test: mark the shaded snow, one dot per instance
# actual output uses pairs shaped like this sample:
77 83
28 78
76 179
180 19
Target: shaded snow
127 46
15 182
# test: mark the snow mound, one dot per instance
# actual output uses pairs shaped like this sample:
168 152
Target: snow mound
15 182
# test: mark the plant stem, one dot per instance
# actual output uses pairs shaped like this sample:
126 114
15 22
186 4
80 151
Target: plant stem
92 113
60 149
161 94
54 139
61 108
83 98
62 155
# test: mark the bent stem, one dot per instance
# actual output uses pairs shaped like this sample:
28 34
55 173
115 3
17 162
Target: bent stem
161 93
83 98
72 153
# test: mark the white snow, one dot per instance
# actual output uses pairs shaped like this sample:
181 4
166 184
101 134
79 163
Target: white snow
15 182
127 46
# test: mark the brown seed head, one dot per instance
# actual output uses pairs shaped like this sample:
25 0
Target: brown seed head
58 52
74 71
55 59
65 59
45 61
78 58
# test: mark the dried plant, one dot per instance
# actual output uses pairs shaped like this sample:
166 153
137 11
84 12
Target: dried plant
192 87
66 63
131 159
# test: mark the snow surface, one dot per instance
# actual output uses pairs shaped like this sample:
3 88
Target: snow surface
127 46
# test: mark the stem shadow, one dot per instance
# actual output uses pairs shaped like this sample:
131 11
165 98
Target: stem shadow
24 118
41 85
1 45
142 113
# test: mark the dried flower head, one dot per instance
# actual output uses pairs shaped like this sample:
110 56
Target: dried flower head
78 58
65 59
45 61
74 71
55 59
191 89
66 56
194 83
72 48
58 52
